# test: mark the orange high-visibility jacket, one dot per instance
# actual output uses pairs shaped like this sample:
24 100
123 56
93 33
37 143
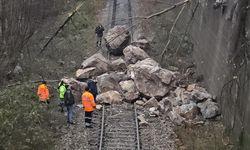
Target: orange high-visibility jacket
43 92
88 101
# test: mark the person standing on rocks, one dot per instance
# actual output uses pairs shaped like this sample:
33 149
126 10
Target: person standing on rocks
43 92
93 88
99 33
89 106
61 89
69 101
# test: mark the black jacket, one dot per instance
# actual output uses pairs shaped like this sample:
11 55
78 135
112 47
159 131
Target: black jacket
99 30
69 98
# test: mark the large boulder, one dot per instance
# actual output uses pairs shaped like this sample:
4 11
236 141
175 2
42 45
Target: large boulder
107 82
85 73
78 87
129 90
133 54
149 78
118 65
209 109
117 39
94 65
109 97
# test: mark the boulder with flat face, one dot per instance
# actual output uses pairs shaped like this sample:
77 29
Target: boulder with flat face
132 54
117 39
150 79
98 61
109 97
110 81
129 90
118 65
85 73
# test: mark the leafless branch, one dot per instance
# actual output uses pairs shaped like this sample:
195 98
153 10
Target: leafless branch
171 32
62 26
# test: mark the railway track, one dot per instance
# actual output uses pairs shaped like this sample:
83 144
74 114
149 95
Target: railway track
119 128
121 13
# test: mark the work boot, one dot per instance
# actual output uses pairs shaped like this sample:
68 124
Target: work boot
70 122
88 126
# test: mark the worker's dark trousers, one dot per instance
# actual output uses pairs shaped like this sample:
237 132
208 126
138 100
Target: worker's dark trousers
88 118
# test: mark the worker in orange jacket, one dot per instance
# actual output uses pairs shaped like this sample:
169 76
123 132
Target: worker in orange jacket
89 106
43 92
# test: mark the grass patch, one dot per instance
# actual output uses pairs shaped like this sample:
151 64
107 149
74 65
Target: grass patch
23 123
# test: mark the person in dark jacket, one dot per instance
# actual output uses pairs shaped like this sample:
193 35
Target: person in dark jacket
93 88
99 33
69 101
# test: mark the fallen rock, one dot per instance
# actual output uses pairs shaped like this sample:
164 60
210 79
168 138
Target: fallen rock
129 90
182 95
193 93
78 87
128 86
164 105
188 111
175 117
209 109
142 120
85 73
154 112
109 97
200 94
98 107
132 54
107 82
140 102
142 43
152 102
173 102
98 61
118 65
191 87
149 78
131 97
117 39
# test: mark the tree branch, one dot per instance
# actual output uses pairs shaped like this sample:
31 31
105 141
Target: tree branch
171 32
167 9
61 27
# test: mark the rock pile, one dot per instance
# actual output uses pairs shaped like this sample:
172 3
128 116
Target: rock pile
138 78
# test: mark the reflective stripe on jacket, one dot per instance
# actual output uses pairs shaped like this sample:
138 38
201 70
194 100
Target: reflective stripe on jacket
88 101
43 92
62 91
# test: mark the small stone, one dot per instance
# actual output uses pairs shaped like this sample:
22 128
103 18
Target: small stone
142 120
98 107
154 112
152 102
191 87
139 102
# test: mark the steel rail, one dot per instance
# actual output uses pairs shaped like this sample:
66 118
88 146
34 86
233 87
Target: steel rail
102 128
137 129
